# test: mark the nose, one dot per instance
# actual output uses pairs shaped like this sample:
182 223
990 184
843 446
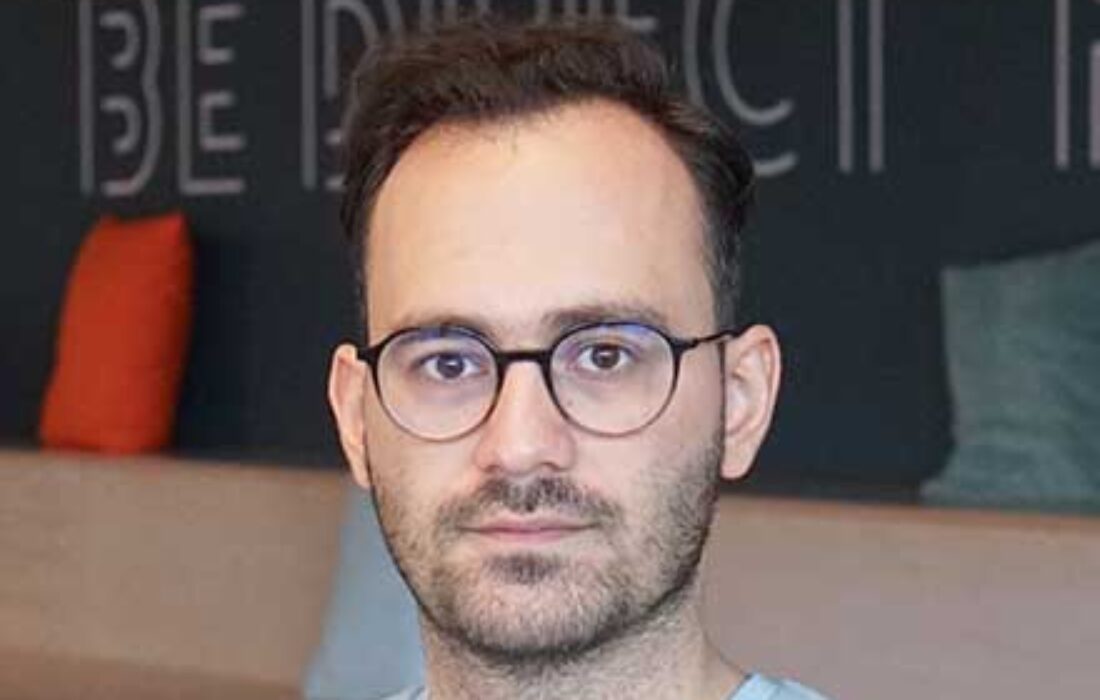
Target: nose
525 432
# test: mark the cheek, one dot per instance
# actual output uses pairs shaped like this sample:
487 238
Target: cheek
636 473
417 479
413 477
408 493
696 406
394 454
644 471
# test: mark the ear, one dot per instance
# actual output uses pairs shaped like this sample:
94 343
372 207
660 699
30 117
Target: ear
347 382
752 371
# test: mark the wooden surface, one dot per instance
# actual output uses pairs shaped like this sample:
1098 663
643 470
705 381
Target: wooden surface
28 676
167 563
906 602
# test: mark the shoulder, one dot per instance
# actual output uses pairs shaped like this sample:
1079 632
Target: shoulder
407 694
759 687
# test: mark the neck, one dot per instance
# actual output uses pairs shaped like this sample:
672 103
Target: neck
665 657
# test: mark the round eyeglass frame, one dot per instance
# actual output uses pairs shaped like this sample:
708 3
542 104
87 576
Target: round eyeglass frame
503 359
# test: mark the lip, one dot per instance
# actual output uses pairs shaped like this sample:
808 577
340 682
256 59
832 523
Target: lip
529 530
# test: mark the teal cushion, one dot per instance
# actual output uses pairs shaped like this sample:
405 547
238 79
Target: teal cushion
1023 355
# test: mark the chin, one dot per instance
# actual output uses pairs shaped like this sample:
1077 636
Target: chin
532 608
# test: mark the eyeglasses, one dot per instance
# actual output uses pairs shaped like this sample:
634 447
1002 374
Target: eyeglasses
440 383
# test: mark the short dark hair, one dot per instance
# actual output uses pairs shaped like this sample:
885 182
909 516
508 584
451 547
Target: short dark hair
485 70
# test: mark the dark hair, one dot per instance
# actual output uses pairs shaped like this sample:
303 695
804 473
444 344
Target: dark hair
484 70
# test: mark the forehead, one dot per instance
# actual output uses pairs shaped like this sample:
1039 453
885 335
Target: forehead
516 224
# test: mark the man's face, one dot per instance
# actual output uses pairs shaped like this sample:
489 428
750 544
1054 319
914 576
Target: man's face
530 536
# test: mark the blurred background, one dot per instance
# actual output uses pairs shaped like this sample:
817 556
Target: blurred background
925 241
173 279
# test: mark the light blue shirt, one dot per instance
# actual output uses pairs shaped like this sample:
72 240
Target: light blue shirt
756 687
759 687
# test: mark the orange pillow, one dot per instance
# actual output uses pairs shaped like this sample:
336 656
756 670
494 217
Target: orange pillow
123 337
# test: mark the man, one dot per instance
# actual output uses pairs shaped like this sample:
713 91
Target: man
556 377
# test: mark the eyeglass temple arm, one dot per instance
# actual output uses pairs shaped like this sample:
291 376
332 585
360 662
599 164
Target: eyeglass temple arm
366 354
682 344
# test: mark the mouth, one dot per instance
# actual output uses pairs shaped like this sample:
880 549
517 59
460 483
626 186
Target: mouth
528 530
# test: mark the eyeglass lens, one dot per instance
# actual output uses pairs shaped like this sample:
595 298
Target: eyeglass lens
442 382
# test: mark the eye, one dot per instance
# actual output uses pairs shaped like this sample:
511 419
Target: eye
448 366
603 358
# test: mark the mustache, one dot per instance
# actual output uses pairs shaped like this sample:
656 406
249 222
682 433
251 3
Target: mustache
554 494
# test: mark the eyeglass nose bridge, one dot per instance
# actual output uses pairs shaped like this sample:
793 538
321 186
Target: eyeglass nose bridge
504 359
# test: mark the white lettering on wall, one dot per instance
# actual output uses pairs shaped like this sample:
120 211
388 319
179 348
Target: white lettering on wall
207 54
136 33
546 10
308 140
640 24
1063 93
1061 83
320 54
441 12
845 86
126 108
1094 105
329 25
720 55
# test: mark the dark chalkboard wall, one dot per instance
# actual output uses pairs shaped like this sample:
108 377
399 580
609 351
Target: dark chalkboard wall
892 136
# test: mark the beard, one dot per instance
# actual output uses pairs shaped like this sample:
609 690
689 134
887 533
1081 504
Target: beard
534 609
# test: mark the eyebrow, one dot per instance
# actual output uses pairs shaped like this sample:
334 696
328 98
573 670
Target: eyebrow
551 324
603 312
